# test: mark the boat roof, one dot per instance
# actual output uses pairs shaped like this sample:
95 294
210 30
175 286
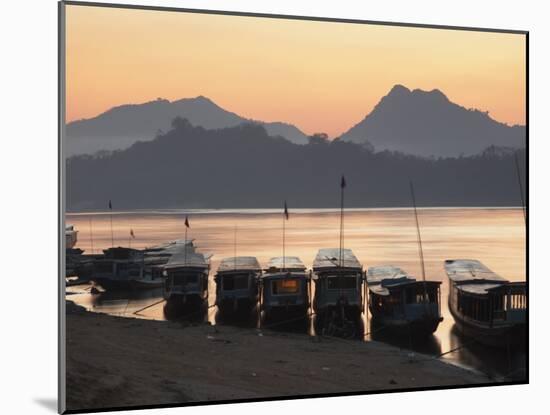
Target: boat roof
381 277
187 259
375 275
239 263
470 270
290 263
478 288
329 259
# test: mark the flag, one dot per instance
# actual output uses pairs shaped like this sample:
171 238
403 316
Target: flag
132 234
286 211
110 205
187 221
343 182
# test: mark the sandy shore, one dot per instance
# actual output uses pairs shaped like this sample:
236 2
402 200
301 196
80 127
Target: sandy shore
114 361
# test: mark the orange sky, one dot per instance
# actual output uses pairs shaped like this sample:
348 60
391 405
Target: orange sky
322 77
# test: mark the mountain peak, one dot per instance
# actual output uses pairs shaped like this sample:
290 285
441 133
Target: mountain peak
399 90
427 123
434 93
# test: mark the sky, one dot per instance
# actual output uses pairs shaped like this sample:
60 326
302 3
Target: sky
319 76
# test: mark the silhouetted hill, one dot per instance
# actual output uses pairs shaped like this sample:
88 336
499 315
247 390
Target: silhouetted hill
427 123
120 127
242 166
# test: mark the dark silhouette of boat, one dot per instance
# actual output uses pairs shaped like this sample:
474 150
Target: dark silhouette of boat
338 278
237 284
402 305
285 289
186 282
485 306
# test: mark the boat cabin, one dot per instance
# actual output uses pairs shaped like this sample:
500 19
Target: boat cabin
284 287
481 297
398 300
237 283
338 278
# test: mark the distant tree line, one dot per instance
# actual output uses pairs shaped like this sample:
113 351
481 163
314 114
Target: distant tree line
243 167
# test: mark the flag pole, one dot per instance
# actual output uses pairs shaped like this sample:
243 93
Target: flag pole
91 235
284 230
342 186
111 215
520 188
185 240
235 248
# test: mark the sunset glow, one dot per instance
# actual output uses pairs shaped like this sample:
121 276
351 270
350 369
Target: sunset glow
319 76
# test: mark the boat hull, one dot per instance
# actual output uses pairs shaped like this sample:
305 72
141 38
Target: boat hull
421 327
285 313
179 305
512 335
236 306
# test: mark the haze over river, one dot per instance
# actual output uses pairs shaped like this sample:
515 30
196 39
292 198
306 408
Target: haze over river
495 236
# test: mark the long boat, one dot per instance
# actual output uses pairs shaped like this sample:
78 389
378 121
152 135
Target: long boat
486 306
117 268
284 286
237 284
186 282
338 278
402 305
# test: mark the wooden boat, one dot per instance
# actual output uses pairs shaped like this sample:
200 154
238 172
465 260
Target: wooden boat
237 284
284 287
186 282
402 305
117 268
486 306
338 283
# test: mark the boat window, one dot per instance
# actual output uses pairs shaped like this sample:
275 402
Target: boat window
180 278
416 294
238 282
286 287
476 308
344 282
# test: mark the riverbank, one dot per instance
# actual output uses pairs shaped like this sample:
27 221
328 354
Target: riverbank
114 361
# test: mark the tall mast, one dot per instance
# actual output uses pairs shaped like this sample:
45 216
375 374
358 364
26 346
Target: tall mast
235 248
420 251
111 215
342 186
91 235
520 188
285 218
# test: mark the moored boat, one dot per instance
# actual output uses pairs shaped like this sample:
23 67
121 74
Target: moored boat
338 278
284 287
485 306
117 268
402 305
237 284
186 282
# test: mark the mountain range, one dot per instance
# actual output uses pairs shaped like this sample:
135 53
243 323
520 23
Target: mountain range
416 122
121 126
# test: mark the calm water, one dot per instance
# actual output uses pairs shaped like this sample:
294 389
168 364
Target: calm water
494 236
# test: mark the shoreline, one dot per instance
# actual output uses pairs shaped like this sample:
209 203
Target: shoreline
121 361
